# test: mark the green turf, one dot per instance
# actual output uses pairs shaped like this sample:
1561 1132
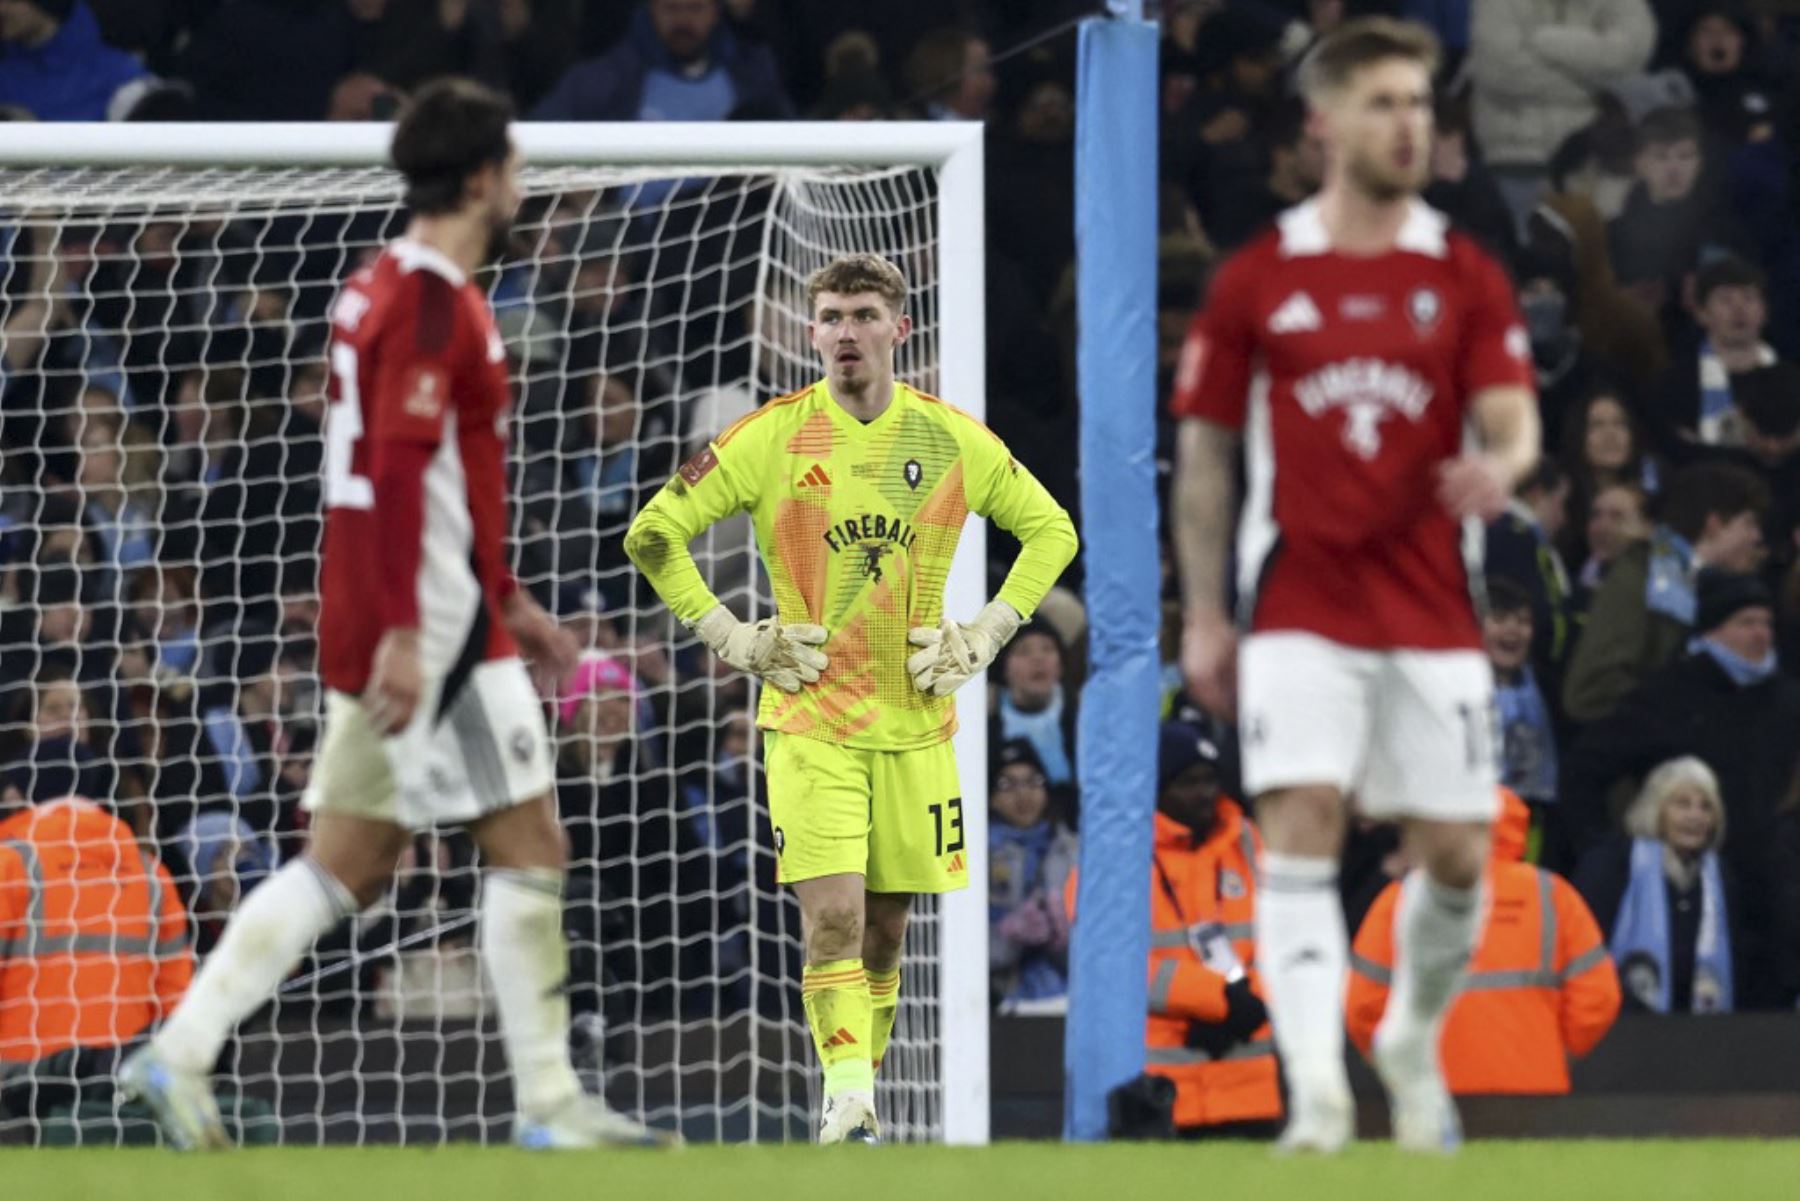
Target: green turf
1575 1171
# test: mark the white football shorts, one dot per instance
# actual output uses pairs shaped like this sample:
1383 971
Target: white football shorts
483 749
1403 733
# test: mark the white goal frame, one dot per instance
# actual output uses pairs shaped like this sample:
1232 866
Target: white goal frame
952 150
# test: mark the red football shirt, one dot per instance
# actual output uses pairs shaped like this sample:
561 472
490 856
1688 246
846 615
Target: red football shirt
415 470
1351 377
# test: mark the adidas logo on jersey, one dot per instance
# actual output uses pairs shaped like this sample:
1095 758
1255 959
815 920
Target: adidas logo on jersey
843 1038
816 478
1296 314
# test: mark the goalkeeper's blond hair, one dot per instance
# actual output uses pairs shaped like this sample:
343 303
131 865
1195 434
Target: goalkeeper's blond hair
859 273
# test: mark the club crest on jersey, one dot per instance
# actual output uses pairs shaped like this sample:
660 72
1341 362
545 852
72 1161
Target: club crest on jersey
425 399
1424 307
697 468
912 473
1368 391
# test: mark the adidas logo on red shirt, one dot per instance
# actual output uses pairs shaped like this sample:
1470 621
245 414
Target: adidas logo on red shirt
1295 315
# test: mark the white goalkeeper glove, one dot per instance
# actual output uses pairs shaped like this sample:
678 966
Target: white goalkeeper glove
956 650
784 655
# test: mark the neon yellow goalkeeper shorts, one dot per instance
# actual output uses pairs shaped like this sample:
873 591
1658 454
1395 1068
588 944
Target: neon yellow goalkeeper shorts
893 817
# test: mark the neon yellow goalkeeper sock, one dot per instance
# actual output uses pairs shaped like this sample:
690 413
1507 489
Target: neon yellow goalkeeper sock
836 995
884 997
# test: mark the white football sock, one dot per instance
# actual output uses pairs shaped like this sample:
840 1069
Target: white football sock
273 927
528 963
1302 952
1436 928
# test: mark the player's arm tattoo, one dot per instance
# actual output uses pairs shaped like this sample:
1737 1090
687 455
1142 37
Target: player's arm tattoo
1507 419
1205 504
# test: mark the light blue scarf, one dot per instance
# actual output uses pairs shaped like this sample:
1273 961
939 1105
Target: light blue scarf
1043 730
1669 586
1640 936
1528 744
1745 673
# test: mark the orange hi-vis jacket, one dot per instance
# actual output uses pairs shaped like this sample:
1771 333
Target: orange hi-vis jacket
1202 903
1541 986
93 935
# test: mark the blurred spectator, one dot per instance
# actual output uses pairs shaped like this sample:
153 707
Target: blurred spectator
57 760
854 89
1619 331
360 96
1671 225
1618 516
1726 703
1461 185
1565 370
1737 100
644 859
225 860
1031 852
123 526
93 953
1602 447
1641 615
267 60
1661 892
1521 547
1209 145
1527 731
1207 1030
1296 167
1033 705
55 66
404 43
1536 66
678 62
951 72
1540 989
1695 405
1768 401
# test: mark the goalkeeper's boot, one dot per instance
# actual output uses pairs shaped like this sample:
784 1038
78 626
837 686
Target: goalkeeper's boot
850 1118
1321 1117
586 1121
1419 1102
182 1101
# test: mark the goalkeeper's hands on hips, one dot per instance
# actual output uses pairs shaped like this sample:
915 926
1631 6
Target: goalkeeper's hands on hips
955 650
786 655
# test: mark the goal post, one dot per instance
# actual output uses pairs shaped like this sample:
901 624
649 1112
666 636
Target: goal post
199 339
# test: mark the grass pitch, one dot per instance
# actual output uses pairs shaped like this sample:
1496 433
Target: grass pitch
1501 1171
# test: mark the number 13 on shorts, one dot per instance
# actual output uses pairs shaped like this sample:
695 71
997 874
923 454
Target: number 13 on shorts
948 815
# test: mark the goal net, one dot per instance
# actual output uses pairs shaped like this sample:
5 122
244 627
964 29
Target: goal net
164 369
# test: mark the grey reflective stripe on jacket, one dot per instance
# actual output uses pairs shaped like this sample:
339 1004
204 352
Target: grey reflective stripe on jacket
1585 962
1544 975
1170 1057
176 942
1160 985
1370 970
1162 940
17 948
37 944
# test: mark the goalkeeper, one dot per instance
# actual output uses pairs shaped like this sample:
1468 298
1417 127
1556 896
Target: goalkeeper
858 487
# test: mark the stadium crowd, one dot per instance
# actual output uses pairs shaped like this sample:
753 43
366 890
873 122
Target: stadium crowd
1636 163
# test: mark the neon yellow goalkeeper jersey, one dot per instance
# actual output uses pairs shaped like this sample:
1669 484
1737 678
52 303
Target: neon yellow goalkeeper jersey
857 524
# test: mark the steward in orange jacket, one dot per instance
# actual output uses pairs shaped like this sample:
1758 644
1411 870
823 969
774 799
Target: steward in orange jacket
93 935
1207 1028
1541 986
